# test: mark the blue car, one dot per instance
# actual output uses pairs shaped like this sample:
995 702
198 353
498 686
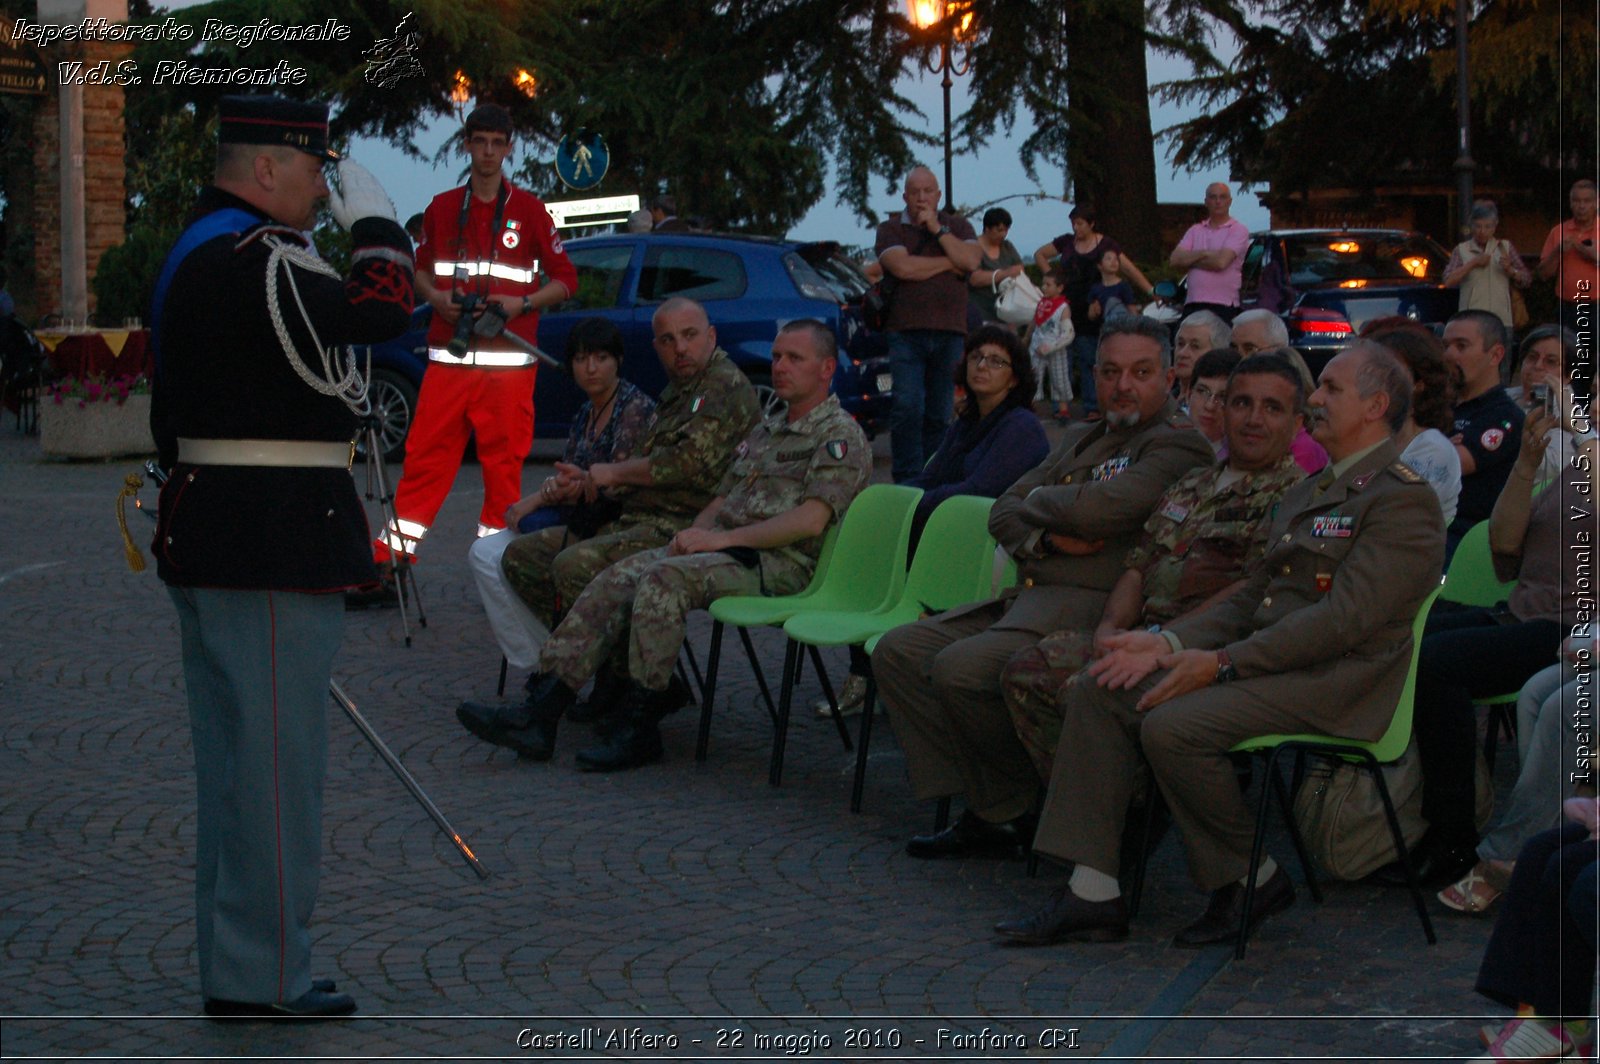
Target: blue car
750 286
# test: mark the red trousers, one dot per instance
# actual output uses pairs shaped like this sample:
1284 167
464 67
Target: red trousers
456 403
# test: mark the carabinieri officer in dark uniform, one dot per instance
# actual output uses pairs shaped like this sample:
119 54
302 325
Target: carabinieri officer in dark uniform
260 527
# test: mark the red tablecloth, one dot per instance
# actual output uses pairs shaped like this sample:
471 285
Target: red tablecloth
98 352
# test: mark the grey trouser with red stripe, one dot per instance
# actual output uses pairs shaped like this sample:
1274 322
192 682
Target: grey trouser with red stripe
256 665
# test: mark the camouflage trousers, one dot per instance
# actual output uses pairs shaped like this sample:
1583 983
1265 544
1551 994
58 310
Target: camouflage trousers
645 600
549 569
1032 683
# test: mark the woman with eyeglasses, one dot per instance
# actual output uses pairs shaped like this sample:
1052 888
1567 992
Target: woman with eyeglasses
994 439
1208 387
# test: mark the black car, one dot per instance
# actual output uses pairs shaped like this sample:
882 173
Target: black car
749 286
1328 283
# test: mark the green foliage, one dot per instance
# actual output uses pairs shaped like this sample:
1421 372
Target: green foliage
125 278
1353 93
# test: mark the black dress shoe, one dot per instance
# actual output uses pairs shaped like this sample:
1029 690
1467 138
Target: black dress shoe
1221 920
972 836
314 1002
1068 918
1438 863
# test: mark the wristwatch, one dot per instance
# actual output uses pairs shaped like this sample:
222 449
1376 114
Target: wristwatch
527 304
944 230
1225 669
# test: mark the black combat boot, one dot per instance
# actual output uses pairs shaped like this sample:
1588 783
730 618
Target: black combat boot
605 697
528 728
636 739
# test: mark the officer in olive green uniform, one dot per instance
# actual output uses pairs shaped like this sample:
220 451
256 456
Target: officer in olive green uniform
790 479
940 677
699 419
1317 640
1206 531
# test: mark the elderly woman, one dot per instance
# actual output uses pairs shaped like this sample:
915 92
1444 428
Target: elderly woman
1001 261
609 425
1485 268
994 439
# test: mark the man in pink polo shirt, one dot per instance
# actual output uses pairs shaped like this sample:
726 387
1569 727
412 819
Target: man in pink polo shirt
1571 255
1213 253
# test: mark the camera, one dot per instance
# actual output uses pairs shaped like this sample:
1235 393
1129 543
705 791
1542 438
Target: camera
489 322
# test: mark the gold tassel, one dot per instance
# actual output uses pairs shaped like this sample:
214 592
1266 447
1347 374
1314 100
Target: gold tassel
130 487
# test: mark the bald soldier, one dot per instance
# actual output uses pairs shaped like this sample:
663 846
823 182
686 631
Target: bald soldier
707 407
1069 523
791 478
1319 640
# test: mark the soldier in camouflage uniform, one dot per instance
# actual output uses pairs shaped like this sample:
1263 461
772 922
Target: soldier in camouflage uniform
791 478
707 407
1205 533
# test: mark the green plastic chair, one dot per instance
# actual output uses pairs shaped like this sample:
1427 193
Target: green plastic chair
866 569
954 565
1471 582
1369 756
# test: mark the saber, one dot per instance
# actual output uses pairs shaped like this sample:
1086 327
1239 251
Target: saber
406 778
157 474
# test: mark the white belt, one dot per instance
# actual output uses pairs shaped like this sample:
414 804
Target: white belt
502 359
298 453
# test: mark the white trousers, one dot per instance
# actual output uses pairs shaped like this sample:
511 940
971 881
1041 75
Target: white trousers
520 634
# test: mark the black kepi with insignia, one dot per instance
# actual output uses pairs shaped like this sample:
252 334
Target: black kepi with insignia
275 120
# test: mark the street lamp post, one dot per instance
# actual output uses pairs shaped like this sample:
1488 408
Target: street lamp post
951 20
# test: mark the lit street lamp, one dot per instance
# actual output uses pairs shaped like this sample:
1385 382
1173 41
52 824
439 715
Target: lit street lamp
949 22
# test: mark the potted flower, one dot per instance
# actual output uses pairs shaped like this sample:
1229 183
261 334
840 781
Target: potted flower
96 417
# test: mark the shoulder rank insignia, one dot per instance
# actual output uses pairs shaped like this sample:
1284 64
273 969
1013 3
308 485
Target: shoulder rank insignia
1407 474
1180 420
837 449
742 450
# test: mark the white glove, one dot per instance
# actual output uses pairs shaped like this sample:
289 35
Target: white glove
356 194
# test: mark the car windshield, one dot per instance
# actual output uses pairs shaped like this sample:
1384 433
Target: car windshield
1357 259
824 265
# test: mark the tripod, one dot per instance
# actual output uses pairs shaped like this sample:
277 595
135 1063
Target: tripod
381 489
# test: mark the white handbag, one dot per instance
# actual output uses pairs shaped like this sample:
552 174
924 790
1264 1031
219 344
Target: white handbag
1019 298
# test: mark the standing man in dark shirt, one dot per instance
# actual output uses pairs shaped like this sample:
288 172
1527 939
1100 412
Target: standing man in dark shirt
260 527
929 253
1488 429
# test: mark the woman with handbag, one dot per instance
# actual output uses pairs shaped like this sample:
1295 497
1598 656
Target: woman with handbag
1485 269
1001 261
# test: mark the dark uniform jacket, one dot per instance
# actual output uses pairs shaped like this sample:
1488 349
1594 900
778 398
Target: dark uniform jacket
1325 620
224 375
1100 483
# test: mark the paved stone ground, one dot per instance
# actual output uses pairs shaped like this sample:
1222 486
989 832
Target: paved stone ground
680 900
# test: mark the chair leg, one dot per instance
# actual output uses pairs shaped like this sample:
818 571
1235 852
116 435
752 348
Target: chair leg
761 677
1136 887
500 691
1400 850
1287 807
692 673
941 815
1257 844
867 706
780 731
827 691
708 691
